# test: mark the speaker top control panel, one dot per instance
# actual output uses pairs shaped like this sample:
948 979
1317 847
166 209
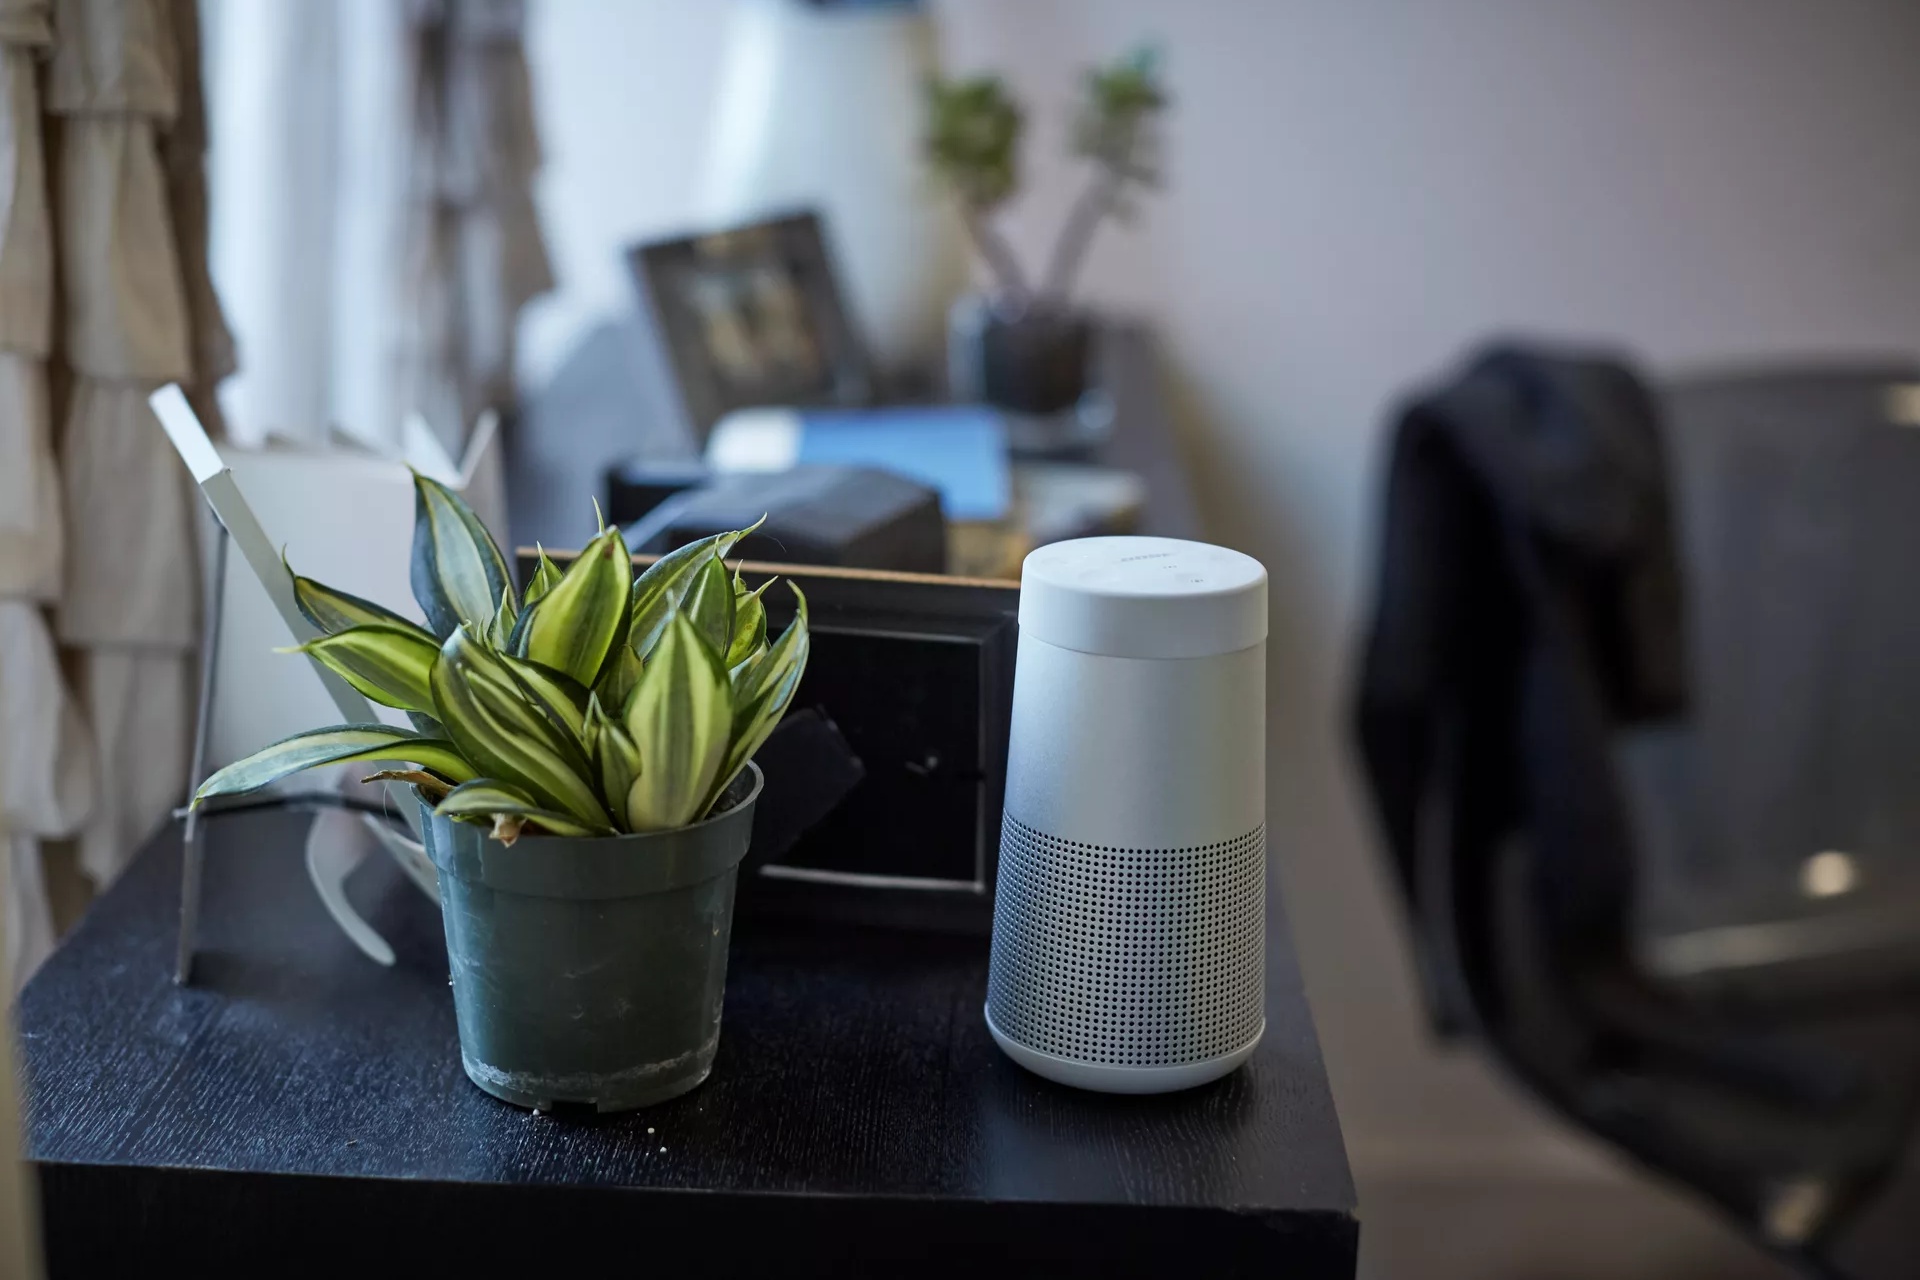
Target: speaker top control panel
1143 597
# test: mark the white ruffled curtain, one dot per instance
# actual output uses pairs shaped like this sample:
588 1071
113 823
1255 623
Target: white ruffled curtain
376 240
308 106
474 254
375 234
104 295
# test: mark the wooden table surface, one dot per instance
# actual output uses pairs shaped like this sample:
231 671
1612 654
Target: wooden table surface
304 1109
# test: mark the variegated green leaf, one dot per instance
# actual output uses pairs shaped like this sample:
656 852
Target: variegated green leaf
753 721
579 620
504 618
389 664
458 573
614 754
709 605
545 574
749 626
485 797
490 713
762 694
742 670
338 744
563 698
788 653
618 677
425 725
659 591
679 719
331 610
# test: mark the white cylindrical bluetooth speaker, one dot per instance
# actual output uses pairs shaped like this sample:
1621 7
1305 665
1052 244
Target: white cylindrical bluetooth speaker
1129 920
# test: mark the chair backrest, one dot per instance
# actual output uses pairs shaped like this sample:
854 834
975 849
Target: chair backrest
1797 500
1798 495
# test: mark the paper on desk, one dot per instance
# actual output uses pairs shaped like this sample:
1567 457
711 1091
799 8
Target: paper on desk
961 450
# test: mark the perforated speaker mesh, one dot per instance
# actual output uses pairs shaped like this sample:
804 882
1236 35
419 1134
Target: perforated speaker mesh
1129 957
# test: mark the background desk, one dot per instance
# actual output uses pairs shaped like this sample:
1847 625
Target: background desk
303 1109
599 410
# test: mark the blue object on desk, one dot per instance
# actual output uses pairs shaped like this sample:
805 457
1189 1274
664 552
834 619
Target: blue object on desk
960 450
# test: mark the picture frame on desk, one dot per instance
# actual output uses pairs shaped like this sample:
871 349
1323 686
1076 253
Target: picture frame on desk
914 674
752 315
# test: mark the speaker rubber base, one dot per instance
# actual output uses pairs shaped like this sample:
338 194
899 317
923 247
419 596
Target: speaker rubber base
1109 1079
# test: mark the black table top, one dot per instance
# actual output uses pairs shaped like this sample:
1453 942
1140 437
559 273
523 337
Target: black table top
859 1117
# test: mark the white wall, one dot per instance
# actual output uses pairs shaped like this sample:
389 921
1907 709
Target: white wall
1358 191
623 94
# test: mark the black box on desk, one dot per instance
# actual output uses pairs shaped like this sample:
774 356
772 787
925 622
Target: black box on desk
639 485
854 517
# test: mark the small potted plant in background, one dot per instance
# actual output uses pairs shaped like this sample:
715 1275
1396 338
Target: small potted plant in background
581 753
1026 348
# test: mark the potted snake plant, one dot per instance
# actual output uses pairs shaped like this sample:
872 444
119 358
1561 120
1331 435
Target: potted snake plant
581 753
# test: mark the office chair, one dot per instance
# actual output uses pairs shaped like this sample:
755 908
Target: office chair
1534 792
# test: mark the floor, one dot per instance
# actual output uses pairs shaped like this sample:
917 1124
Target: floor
1508 1227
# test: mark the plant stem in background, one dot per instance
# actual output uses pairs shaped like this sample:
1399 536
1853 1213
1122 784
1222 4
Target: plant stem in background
972 144
998 255
1088 212
1115 128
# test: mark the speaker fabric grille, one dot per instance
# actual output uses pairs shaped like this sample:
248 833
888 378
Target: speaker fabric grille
1129 957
